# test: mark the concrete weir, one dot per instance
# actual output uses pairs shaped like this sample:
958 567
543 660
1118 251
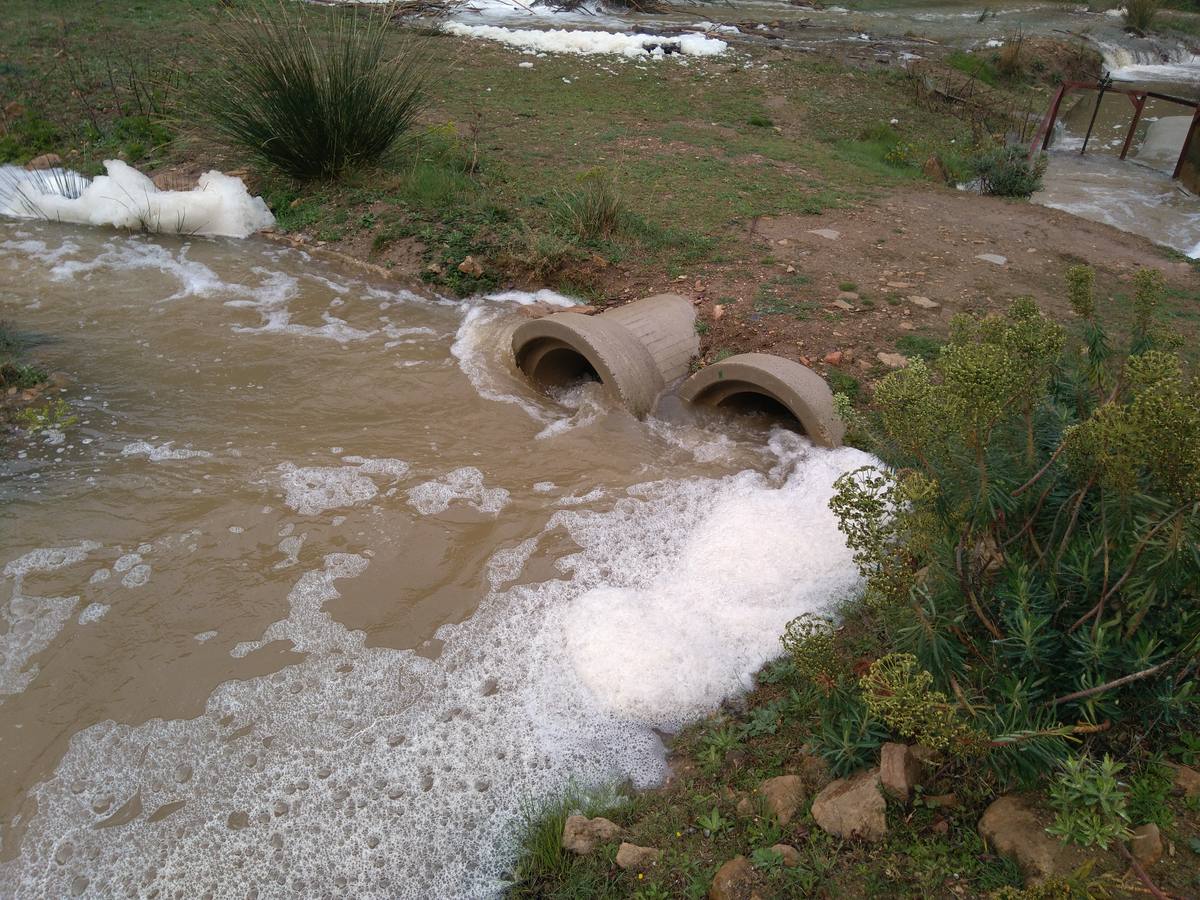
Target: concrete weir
761 381
635 350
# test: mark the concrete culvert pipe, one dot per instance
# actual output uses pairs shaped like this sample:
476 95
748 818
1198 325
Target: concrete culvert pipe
635 351
762 382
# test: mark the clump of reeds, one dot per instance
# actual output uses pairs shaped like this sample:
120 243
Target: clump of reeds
313 92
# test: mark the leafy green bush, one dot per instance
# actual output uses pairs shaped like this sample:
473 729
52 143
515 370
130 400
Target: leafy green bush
1007 172
1032 549
308 105
1090 803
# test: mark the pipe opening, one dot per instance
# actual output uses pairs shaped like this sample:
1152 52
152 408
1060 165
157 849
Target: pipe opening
559 367
761 407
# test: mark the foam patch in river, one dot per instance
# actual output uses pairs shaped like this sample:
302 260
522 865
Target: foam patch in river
371 772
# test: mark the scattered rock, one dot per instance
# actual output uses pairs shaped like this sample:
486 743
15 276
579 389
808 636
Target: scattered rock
995 258
1146 845
13 109
1187 780
746 809
814 771
923 302
834 358
733 881
941 826
791 856
635 858
471 266
842 304
852 807
828 233
907 326
899 285
718 312
849 296
45 161
58 379
935 170
1013 828
892 360
581 834
900 770
783 796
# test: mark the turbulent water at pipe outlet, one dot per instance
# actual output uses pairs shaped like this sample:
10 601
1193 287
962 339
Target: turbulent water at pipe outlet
317 596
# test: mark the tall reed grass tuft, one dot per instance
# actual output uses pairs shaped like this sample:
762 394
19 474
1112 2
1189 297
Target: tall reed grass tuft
313 92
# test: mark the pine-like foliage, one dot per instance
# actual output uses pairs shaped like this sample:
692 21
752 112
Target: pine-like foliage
1032 550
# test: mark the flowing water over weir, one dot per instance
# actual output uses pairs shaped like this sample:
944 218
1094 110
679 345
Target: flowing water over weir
318 592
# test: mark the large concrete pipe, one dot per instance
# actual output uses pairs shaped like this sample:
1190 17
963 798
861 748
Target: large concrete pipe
762 382
635 351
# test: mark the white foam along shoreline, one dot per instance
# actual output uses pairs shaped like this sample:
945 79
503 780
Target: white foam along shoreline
219 205
591 43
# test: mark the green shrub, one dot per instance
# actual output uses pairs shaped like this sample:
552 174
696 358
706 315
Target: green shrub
20 375
1032 549
1007 172
1090 803
1140 14
310 105
759 121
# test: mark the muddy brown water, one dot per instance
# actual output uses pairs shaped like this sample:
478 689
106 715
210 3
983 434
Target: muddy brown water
318 595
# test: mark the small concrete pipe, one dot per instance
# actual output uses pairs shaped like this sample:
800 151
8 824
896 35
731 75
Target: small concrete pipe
635 351
760 380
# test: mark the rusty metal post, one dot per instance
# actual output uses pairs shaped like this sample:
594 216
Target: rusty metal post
1138 105
1101 88
1187 142
1047 127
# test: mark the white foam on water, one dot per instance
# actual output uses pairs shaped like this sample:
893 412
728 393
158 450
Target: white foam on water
588 43
372 772
311 490
125 198
162 451
465 485
482 347
93 612
138 576
32 622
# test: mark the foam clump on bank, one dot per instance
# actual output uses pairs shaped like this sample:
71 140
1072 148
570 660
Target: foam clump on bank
590 43
219 205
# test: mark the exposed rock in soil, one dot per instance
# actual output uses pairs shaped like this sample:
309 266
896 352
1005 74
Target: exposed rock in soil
791 856
1187 780
1014 829
783 796
734 881
852 807
901 769
1146 845
631 857
581 835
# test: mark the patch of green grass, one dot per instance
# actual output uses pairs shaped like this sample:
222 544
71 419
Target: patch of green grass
843 383
919 345
759 121
848 287
976 65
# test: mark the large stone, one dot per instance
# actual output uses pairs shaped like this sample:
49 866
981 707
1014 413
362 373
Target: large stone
923 302
581 834
1146 845
783 796
791 856
994 258
1187 780
852 807
828 233
900 770
892 360
733 881
1014 829
814 771
631 857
